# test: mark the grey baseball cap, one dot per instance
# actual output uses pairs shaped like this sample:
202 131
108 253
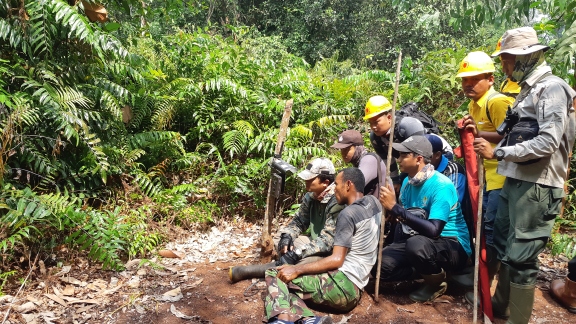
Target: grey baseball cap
418 144
316 167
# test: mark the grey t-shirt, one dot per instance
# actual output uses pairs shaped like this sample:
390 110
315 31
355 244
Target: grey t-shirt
357 228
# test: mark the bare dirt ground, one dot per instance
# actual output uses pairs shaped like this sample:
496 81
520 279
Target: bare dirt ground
195 289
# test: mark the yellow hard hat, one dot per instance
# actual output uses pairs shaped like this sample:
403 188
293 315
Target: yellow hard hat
475 63
375 106
498 46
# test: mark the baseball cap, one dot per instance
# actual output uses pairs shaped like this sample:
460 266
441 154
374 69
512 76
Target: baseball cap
437 145
348 138
418 144
520 41
316 167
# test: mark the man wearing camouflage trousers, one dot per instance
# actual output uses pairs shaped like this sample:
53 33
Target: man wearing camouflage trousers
336 281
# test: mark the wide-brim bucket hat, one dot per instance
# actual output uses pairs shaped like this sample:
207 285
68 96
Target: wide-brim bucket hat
520 41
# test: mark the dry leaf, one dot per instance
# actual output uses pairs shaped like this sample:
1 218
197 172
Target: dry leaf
173 295
57 299
73 281
210 300
170 254
65 270
179 314
42 267
68 290
25 308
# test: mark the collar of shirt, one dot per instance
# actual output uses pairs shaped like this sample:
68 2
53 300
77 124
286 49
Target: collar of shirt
535 76
482 101
442 165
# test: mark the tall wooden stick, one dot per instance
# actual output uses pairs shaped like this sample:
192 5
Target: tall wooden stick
478 233
391 139
267 245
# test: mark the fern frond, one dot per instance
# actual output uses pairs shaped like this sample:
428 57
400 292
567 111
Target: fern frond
234 142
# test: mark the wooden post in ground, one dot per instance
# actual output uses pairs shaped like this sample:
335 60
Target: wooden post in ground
266 244
478 238
389 158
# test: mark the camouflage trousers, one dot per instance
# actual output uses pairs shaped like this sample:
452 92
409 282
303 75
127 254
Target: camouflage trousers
332 289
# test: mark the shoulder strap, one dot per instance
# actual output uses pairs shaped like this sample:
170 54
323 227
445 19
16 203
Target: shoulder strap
490 97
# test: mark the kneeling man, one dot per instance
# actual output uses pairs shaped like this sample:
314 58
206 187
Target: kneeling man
337 280
433 236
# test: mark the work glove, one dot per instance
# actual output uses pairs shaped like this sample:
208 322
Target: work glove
285 241
289 257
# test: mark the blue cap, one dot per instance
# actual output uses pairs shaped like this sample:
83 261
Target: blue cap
437 145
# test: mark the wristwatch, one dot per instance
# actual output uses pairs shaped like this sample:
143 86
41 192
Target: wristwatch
499 154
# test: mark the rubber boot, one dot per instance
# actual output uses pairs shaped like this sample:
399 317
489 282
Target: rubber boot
501 298
564 291
493 267
521 303
434 286
248 272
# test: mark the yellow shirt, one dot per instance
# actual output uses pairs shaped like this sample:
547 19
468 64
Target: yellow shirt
497 107
509 88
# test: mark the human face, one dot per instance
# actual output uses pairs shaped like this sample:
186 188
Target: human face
409 163
347 153
435 159
477 85
315 186
340 189
380 124
507 61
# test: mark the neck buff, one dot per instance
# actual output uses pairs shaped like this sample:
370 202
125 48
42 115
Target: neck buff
326 194
359 152
422 175
526 64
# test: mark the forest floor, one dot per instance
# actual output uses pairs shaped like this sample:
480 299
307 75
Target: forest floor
194 288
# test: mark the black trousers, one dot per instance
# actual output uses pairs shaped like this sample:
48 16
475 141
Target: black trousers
423 255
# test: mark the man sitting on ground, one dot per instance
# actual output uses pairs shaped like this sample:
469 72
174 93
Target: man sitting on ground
433 236
337 280
318 212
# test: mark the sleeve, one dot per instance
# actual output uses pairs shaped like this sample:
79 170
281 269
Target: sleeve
497 108
461 183
551 108
325 241
368 166
345 230
301 220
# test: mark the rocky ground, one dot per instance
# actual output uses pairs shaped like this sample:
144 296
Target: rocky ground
193 287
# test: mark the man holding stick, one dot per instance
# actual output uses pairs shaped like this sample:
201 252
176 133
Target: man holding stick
534 155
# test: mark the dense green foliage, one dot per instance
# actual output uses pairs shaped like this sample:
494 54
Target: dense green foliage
168 113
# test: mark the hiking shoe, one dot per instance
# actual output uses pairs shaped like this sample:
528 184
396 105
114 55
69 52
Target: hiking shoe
317 320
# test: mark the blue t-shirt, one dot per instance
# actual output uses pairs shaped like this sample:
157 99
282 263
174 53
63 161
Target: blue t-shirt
438 197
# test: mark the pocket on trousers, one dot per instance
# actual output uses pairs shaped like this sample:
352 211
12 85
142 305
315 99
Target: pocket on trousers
555 204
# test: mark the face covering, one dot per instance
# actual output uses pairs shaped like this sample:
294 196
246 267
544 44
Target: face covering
526 64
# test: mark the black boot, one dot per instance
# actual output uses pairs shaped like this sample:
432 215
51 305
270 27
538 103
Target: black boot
248 272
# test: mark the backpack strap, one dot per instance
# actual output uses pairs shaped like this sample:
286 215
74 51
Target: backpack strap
493 95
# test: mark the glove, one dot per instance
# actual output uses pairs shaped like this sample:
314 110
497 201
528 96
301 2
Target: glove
285 241
289 257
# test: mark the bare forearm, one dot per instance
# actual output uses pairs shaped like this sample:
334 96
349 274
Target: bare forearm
491 137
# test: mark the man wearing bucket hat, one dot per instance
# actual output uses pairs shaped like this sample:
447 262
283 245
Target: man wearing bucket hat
534 156
432 237
486 111
318 212
351 146
508 87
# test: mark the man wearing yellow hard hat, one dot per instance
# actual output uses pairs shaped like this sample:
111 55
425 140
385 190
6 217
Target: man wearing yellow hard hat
508 87
487 110
377 113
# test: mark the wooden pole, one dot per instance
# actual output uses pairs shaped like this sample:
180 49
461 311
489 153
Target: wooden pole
389 158
267 245
478 233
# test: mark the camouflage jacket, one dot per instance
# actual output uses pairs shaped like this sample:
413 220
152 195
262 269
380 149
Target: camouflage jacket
320 217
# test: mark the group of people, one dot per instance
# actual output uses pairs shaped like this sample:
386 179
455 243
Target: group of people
525 141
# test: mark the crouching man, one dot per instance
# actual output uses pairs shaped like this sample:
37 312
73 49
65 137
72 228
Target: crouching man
336 281
318 212
433 236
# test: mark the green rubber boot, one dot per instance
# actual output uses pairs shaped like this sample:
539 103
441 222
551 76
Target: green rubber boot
521 303
501 298
493 267
434 286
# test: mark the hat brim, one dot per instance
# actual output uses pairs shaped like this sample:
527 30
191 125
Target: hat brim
377 113
307 175
469 74
401 148
341 145
522 50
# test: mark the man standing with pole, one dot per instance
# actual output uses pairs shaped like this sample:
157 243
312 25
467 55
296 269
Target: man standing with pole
539 135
